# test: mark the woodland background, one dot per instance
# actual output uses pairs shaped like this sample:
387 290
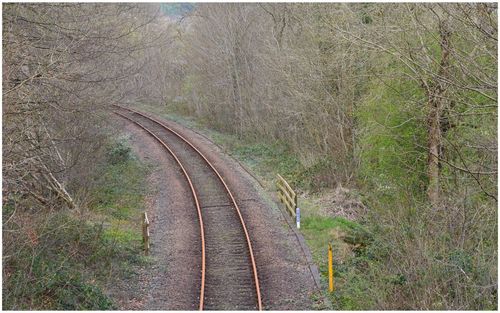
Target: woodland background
395 101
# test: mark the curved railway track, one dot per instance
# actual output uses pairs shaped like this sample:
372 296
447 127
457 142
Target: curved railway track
229 278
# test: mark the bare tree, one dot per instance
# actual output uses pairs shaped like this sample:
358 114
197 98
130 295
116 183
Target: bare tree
63 65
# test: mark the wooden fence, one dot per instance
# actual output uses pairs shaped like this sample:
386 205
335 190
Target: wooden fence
286 195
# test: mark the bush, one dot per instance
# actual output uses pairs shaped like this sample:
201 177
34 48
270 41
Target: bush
119 152
47 272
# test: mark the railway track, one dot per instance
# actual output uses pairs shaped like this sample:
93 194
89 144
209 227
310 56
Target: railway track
229 279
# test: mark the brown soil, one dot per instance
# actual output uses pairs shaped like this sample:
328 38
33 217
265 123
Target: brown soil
172 279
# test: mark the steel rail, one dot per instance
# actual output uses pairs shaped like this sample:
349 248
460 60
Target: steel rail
195 197
242 222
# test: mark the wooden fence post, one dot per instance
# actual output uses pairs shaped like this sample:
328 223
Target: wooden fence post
145 232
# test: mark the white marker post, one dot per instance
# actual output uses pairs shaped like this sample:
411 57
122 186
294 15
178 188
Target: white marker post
297 217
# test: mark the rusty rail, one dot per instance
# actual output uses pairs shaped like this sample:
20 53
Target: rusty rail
247 236
195 198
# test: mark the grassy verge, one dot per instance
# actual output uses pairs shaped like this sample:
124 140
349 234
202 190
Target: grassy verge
119 202
61 260
350 240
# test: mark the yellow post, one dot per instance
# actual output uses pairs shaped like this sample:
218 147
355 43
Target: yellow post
330 268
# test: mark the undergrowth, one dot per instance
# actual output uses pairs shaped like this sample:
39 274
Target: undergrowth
60 260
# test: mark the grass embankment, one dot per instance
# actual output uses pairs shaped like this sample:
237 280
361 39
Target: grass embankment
65 258
350 240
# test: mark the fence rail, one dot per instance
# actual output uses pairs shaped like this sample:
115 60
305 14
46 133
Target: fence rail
286 195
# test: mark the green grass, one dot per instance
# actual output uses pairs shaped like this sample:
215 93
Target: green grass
318 223
319 231
120 187
119 199
121 235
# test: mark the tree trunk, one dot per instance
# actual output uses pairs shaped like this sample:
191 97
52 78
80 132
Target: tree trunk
434 145
436 102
